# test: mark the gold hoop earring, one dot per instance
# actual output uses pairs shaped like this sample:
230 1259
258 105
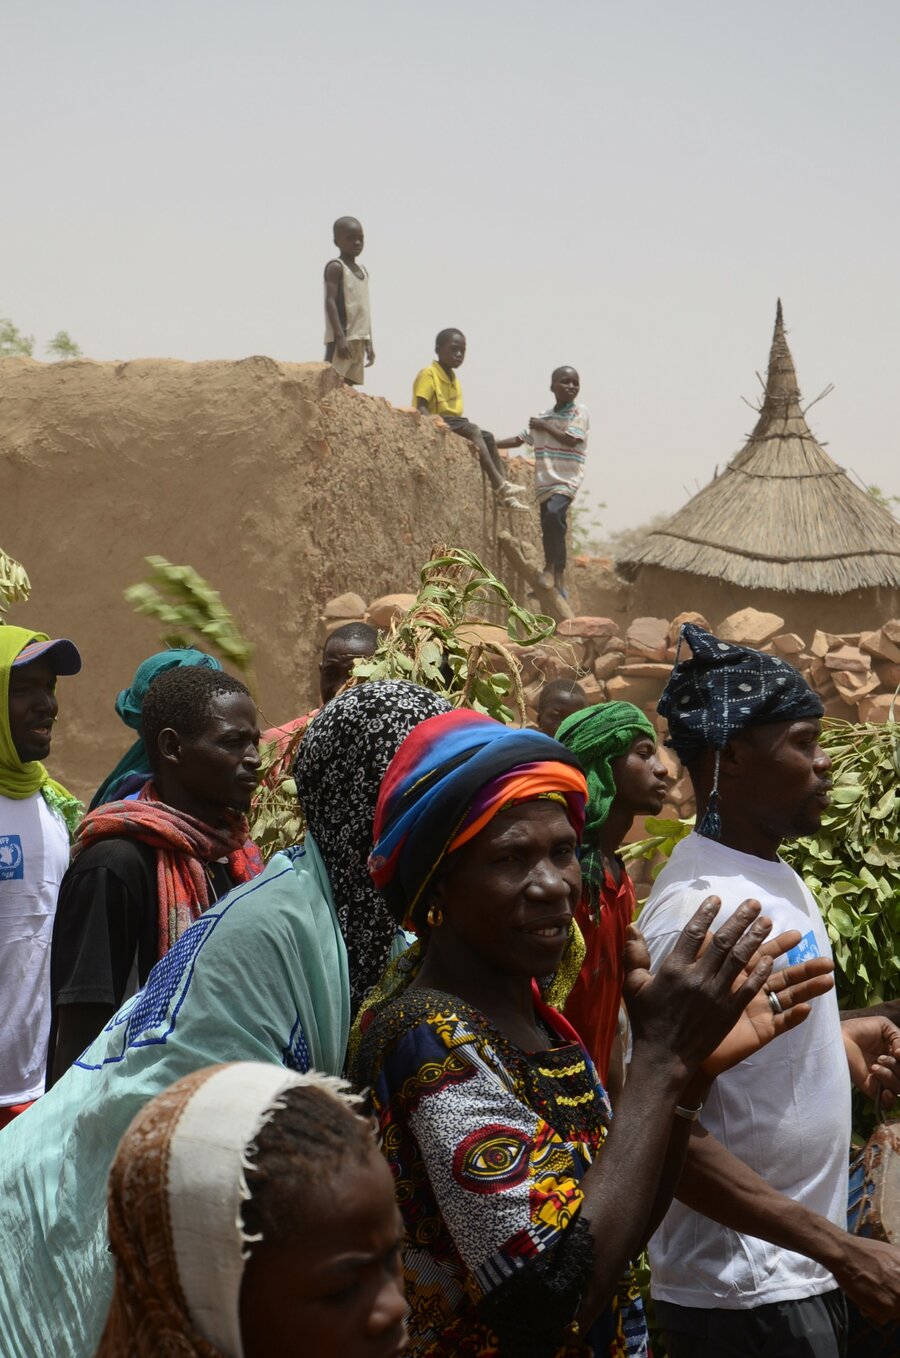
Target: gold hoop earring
435 917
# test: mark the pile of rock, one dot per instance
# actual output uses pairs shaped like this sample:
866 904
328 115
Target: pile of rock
856 673
351 607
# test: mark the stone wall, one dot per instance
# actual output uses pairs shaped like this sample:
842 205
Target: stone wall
855 673
664 593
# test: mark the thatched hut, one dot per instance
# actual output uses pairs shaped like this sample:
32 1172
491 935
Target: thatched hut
782 529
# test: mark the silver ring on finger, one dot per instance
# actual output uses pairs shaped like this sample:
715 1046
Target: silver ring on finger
774 1002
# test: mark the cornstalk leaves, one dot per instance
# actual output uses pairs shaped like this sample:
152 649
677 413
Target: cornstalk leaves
15 586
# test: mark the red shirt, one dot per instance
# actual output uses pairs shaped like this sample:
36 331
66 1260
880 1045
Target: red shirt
593 1006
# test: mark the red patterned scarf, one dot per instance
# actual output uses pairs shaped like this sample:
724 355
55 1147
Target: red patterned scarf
183 844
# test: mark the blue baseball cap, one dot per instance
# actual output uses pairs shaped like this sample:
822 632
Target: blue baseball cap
63 655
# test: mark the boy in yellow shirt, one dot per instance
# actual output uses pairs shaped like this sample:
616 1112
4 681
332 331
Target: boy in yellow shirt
437 391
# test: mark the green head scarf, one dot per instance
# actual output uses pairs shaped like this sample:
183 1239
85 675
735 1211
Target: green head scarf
18 780
598 735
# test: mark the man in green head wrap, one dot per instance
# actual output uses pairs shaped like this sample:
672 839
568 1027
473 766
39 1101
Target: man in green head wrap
616 744
34 853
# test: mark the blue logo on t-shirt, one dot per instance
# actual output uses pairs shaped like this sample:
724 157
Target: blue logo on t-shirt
805 949
12 859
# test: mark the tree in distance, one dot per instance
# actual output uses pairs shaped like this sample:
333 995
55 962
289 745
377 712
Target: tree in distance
13 344
63 346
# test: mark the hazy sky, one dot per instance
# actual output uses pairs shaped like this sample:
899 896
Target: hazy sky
626 188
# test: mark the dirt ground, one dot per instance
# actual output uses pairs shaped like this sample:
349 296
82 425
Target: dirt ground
279 484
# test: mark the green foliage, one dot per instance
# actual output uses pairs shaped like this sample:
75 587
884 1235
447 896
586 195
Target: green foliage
191 613
852 866
15 586
429 646
62 346
663 835
13 344
276 820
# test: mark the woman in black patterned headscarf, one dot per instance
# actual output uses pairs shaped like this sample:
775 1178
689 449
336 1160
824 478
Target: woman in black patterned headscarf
338 771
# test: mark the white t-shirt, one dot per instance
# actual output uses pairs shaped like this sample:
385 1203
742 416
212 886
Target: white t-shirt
34 854
784 1111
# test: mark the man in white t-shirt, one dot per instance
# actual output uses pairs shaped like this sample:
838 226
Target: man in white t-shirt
751 1259
34 854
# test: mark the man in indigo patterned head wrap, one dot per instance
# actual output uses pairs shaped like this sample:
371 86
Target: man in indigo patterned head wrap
721 690
752 1257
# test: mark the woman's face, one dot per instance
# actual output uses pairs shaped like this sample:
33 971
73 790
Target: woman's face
337 1288
510 894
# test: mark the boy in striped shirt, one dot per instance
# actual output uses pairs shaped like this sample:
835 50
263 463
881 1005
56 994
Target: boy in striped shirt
559 438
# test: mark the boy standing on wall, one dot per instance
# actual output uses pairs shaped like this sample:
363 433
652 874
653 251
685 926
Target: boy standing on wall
348 323
437 391
559 438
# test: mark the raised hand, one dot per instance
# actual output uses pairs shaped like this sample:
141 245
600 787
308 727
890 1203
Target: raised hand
761 1022
698 994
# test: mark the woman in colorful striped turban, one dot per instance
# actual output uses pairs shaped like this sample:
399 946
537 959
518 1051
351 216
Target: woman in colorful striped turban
518 1233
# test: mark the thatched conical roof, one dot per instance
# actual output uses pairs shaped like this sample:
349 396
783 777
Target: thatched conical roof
782 515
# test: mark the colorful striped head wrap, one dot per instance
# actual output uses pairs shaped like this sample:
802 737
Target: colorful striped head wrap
450 777
719 691
598 735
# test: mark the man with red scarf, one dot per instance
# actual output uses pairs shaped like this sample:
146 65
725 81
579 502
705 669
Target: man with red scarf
146 867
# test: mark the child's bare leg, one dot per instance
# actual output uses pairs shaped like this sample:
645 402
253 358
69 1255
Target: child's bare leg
471 431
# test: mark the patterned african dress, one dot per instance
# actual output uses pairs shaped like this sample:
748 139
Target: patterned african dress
487 1145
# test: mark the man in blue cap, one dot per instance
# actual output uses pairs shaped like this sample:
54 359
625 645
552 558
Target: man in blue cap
754 1257
36 814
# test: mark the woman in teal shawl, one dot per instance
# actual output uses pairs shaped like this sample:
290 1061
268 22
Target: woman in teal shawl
134 763
261 976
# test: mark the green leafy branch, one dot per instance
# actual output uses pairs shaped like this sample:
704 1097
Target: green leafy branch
852 865
276 820
429 645
191 612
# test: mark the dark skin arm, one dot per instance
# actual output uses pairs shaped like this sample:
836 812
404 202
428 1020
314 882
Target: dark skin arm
514 442
78 1025
615 1081
332 283
890 1010
677 1019
719 1186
